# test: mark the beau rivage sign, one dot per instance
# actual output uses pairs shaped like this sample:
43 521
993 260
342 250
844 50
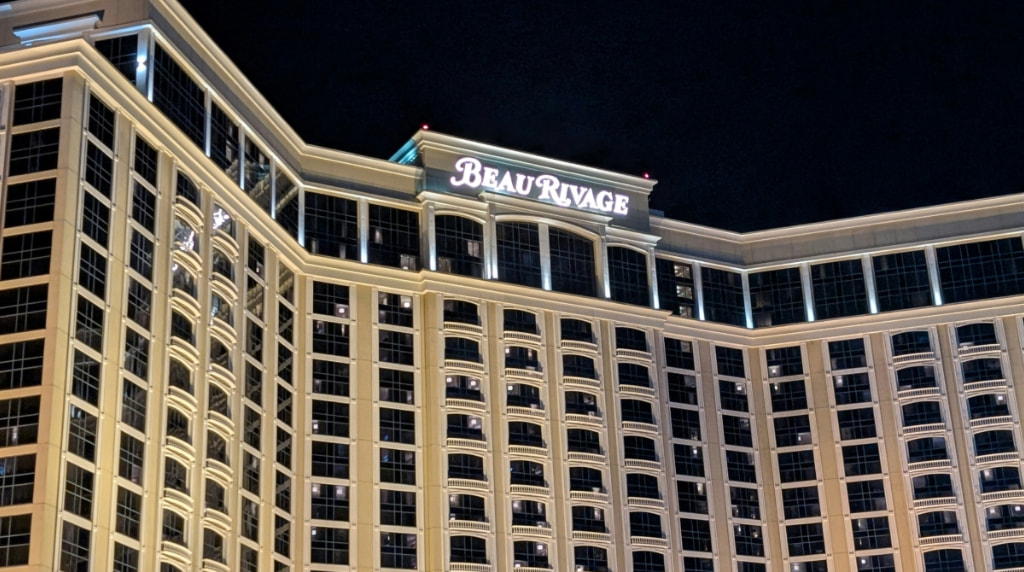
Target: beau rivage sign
472 174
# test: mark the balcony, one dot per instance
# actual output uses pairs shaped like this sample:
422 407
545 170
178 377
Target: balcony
468 567
640 427
572 381
463 443
984 385
643 502
637 390
588 457
1002 495
589 496
542 491
648 541
528 451
919 356
462 328
512 336
918 392
928 427
462 403
928 465
944 539
457 525
535 411
524 373
635 355
466 365
644 464
928 503
471 484
970 350
592 418
540 530
986 421
580 346
589 536
1004 534
998 458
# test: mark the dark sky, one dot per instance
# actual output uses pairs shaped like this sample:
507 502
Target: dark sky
751 115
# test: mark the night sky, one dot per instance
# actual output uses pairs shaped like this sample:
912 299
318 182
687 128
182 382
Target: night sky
751 115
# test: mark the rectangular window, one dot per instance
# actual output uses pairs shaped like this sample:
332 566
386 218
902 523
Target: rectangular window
723 296
394 237
23 309
330 418
144 207
141 255
729 361
89 324
397 386
92 271
39 101
17 479
82 434
397 426
30 203
131 456
85 378
678 353
676 287
133 406
74 547
796 466
19 421
179 96
776 297
78 491
101 121
122 52
328 545
398 508
332 226
34 151
99 169
21 364
627 276
839 289
396 347
26 255
901 281
96 221
979 270
15 538
572 263
518 245
129 513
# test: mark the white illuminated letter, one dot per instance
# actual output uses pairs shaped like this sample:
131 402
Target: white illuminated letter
548 185
490 177
524 184
604 201
470 169
506 186
621 204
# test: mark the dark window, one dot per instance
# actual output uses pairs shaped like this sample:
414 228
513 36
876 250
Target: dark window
329 378
979 334
394 237
521 358
523 395
985 369
21 364
901 281
678 353
330 460
398 466
916 377
793 431
85 378
466 507
685 424
330 418
396 347
394 309
696 534
675 287
329 502
749 540
847 354
862 460
729 361
578 366
572 263
627 276
397 386
146 160
644 561
17 477
522 433
1006 556
122 52
907 343
784 361
34 151
634 374
806 539
461 312
15 537
839 289
577 330
871 533
993 442
31 202
462 466
737 431
866 496
745 503
459 245
397 426
946 560
527 473
941 485
682 388
398 508
922 413
584 441
940 523
255 179
981 269
796 466
723 296
99 169
332 226
801 502
129 513
173 529
689 460
856 424
590 559
643 486
926 449
776 297
141 254
585 479
179 96
588 519
998 479
35 102
144 213
397 550
330 338
645 524
133 406
518 253
733 395
328 545
27 255
788 396
852 388
74 547
520 321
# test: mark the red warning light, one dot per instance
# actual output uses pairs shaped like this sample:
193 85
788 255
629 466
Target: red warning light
647 175
425 127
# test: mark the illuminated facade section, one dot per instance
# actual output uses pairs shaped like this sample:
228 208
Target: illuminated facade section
209 361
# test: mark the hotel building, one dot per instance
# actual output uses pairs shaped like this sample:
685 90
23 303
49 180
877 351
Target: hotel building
224 349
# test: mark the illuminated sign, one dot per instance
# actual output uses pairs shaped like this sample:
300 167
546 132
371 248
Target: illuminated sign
547 188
